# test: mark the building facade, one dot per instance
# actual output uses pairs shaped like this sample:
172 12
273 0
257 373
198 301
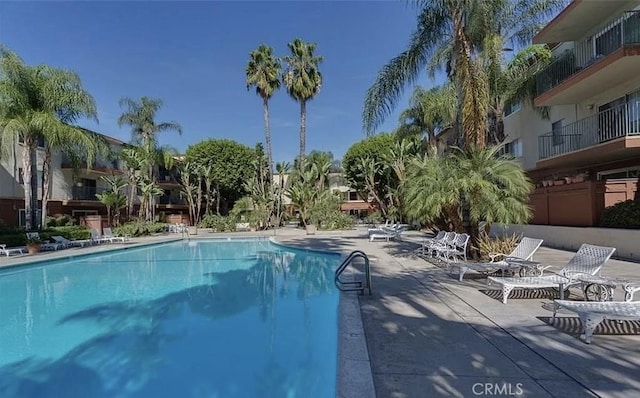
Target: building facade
73 191
586 155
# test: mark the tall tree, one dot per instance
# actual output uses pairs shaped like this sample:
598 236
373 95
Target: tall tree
451 33
430 112
140 116
303 79
40 102
263 73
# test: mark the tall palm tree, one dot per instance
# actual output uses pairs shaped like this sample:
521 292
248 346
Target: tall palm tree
140 116
430 112
451 33
263 71
40 102
303 79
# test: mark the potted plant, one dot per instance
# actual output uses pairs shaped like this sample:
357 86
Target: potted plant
34 244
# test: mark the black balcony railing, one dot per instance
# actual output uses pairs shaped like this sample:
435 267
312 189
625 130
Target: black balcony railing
85 193
622 31
618 121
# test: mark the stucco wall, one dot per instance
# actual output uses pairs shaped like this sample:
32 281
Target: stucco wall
570 238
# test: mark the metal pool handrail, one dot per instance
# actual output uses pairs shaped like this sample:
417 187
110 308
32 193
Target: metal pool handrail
352 286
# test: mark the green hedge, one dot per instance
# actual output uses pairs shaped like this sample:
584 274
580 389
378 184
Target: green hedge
622 215
16 237
336 220
139 228
218 223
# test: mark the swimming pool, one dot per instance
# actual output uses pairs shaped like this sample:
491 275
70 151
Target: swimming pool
198 319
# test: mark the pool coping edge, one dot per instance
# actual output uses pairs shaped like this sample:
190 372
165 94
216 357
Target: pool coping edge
354 376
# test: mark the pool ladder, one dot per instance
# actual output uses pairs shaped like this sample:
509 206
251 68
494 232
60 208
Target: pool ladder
354 286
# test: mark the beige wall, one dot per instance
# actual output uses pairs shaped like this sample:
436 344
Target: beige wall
570 238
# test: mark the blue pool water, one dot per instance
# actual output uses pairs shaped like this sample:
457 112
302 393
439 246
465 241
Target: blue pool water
206 319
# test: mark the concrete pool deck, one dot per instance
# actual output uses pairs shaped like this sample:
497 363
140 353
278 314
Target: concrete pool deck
424 334
428 335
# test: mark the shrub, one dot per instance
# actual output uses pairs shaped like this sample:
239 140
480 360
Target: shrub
13 240
69 231
503 244
60 220
336 220
622 215
218 223
375 217
139 228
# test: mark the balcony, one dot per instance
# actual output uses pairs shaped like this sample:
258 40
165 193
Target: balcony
85 193
171 200
612 134
604 60
102 166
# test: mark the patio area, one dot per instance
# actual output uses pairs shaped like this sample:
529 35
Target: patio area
429 335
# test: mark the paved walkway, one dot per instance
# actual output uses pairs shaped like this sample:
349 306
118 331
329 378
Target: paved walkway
429 335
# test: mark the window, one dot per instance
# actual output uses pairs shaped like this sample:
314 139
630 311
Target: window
21 177
514 148
631 172
510 108
40 141
353 195
22 218
82 213
556 132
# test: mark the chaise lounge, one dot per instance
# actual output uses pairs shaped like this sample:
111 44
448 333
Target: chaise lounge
588 260
524 251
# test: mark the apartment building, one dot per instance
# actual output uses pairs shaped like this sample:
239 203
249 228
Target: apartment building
586 155
73 192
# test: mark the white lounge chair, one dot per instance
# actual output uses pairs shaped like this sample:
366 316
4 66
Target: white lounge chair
108 234
456 250
591 313
442 244
8 252
588 260
97 238
525 250
71 243
437 238
388 234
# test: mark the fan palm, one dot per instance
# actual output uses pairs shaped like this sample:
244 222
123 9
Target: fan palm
303 79
263 71
140 116
451 33
494 188
39 102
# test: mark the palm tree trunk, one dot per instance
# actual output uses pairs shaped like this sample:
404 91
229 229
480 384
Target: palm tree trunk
132 194
199 200
303 131
218 199
46 171
267 133
26 180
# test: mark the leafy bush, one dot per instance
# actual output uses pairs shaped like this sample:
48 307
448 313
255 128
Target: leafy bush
60 220
139 228
13 240
502 244
375 217
218 223
336 220
69 231
622 215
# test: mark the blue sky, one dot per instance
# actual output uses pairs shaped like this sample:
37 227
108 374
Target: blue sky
193 54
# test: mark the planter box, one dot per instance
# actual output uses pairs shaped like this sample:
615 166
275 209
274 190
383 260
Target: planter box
311 229
33 248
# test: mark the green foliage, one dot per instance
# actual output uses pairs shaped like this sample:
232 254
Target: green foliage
230 162
139 228
323 207
501 244
494 189
335 220
622 215
60 220
218 223
375 218
371 149
17 237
